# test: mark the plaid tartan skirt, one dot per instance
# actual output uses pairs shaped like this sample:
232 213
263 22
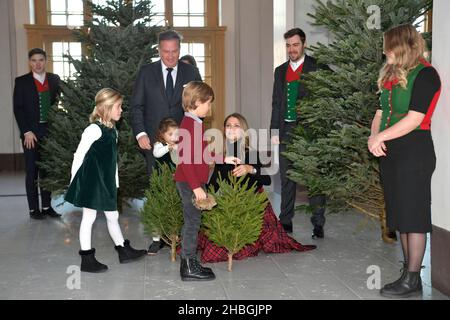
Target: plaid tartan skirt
273 239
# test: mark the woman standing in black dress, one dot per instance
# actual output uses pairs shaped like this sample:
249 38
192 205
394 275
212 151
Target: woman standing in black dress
401 137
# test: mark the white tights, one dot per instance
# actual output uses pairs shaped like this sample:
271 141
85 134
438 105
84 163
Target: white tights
112 218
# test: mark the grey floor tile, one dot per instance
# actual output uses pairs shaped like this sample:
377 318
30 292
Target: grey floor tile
271 289
176 289
261 267
323 287
109 288
35 257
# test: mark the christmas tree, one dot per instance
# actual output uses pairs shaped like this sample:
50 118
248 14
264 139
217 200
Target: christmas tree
329 146
237 219
117 41
162 213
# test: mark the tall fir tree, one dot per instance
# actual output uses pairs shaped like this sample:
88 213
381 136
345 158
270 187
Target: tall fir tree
329 147
162 213
237 219
117 42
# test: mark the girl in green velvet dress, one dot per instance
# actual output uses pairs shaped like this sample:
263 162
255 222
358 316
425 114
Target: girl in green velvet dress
94 181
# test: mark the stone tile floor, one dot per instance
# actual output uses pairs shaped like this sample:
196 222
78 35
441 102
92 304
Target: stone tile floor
36 258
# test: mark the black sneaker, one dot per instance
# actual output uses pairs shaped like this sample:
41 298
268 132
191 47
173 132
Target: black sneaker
37 215
155 247
51 213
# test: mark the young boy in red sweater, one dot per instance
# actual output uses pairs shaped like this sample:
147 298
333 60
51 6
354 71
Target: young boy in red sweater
192 174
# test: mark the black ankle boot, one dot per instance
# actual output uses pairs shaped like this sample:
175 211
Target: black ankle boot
127 253
89 263
409 286
191 270
403 272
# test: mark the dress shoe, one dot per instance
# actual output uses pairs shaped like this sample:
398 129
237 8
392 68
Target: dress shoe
37 215
318 233
51 213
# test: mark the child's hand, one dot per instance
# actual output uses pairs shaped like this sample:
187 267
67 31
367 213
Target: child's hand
232 160
173 147
200 194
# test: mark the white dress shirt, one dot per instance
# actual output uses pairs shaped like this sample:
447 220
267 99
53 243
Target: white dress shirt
165 72
39 77
295 65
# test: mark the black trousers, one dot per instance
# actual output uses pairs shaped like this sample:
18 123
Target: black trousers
289 188
149 160
33 172
192 221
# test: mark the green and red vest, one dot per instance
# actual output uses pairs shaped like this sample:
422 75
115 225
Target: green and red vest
292 84
44 99
395 101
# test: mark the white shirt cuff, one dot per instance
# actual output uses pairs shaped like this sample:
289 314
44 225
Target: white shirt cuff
140 135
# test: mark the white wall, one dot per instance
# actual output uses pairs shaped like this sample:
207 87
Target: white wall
13 54
314 34
284 15
249 59
441 119
228 11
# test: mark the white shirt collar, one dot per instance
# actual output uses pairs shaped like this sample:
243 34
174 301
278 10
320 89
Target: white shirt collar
297 64
39 77
193 116
164 67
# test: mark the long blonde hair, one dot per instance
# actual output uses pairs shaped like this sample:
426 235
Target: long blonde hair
245 141
105 99
408 46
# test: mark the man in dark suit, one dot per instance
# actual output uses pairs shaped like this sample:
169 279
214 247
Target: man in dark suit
157 92
34 94
157 95
287 91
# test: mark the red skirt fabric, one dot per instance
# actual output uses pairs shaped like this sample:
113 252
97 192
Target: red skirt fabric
273 239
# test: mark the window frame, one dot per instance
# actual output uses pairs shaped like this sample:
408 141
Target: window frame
42 34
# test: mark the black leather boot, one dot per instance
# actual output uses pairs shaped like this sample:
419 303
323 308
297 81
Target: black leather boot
409 286
89 263
191 270
128 254
403 272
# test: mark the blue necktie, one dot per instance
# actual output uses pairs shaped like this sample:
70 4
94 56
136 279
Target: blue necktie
169 83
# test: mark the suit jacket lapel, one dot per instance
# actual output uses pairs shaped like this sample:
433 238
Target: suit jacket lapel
308 65
32 86
283 72
160 77
179 82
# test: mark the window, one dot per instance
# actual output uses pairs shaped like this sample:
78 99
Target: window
425 22
196 20
197 50
61 65
159 12
188 13
65 12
